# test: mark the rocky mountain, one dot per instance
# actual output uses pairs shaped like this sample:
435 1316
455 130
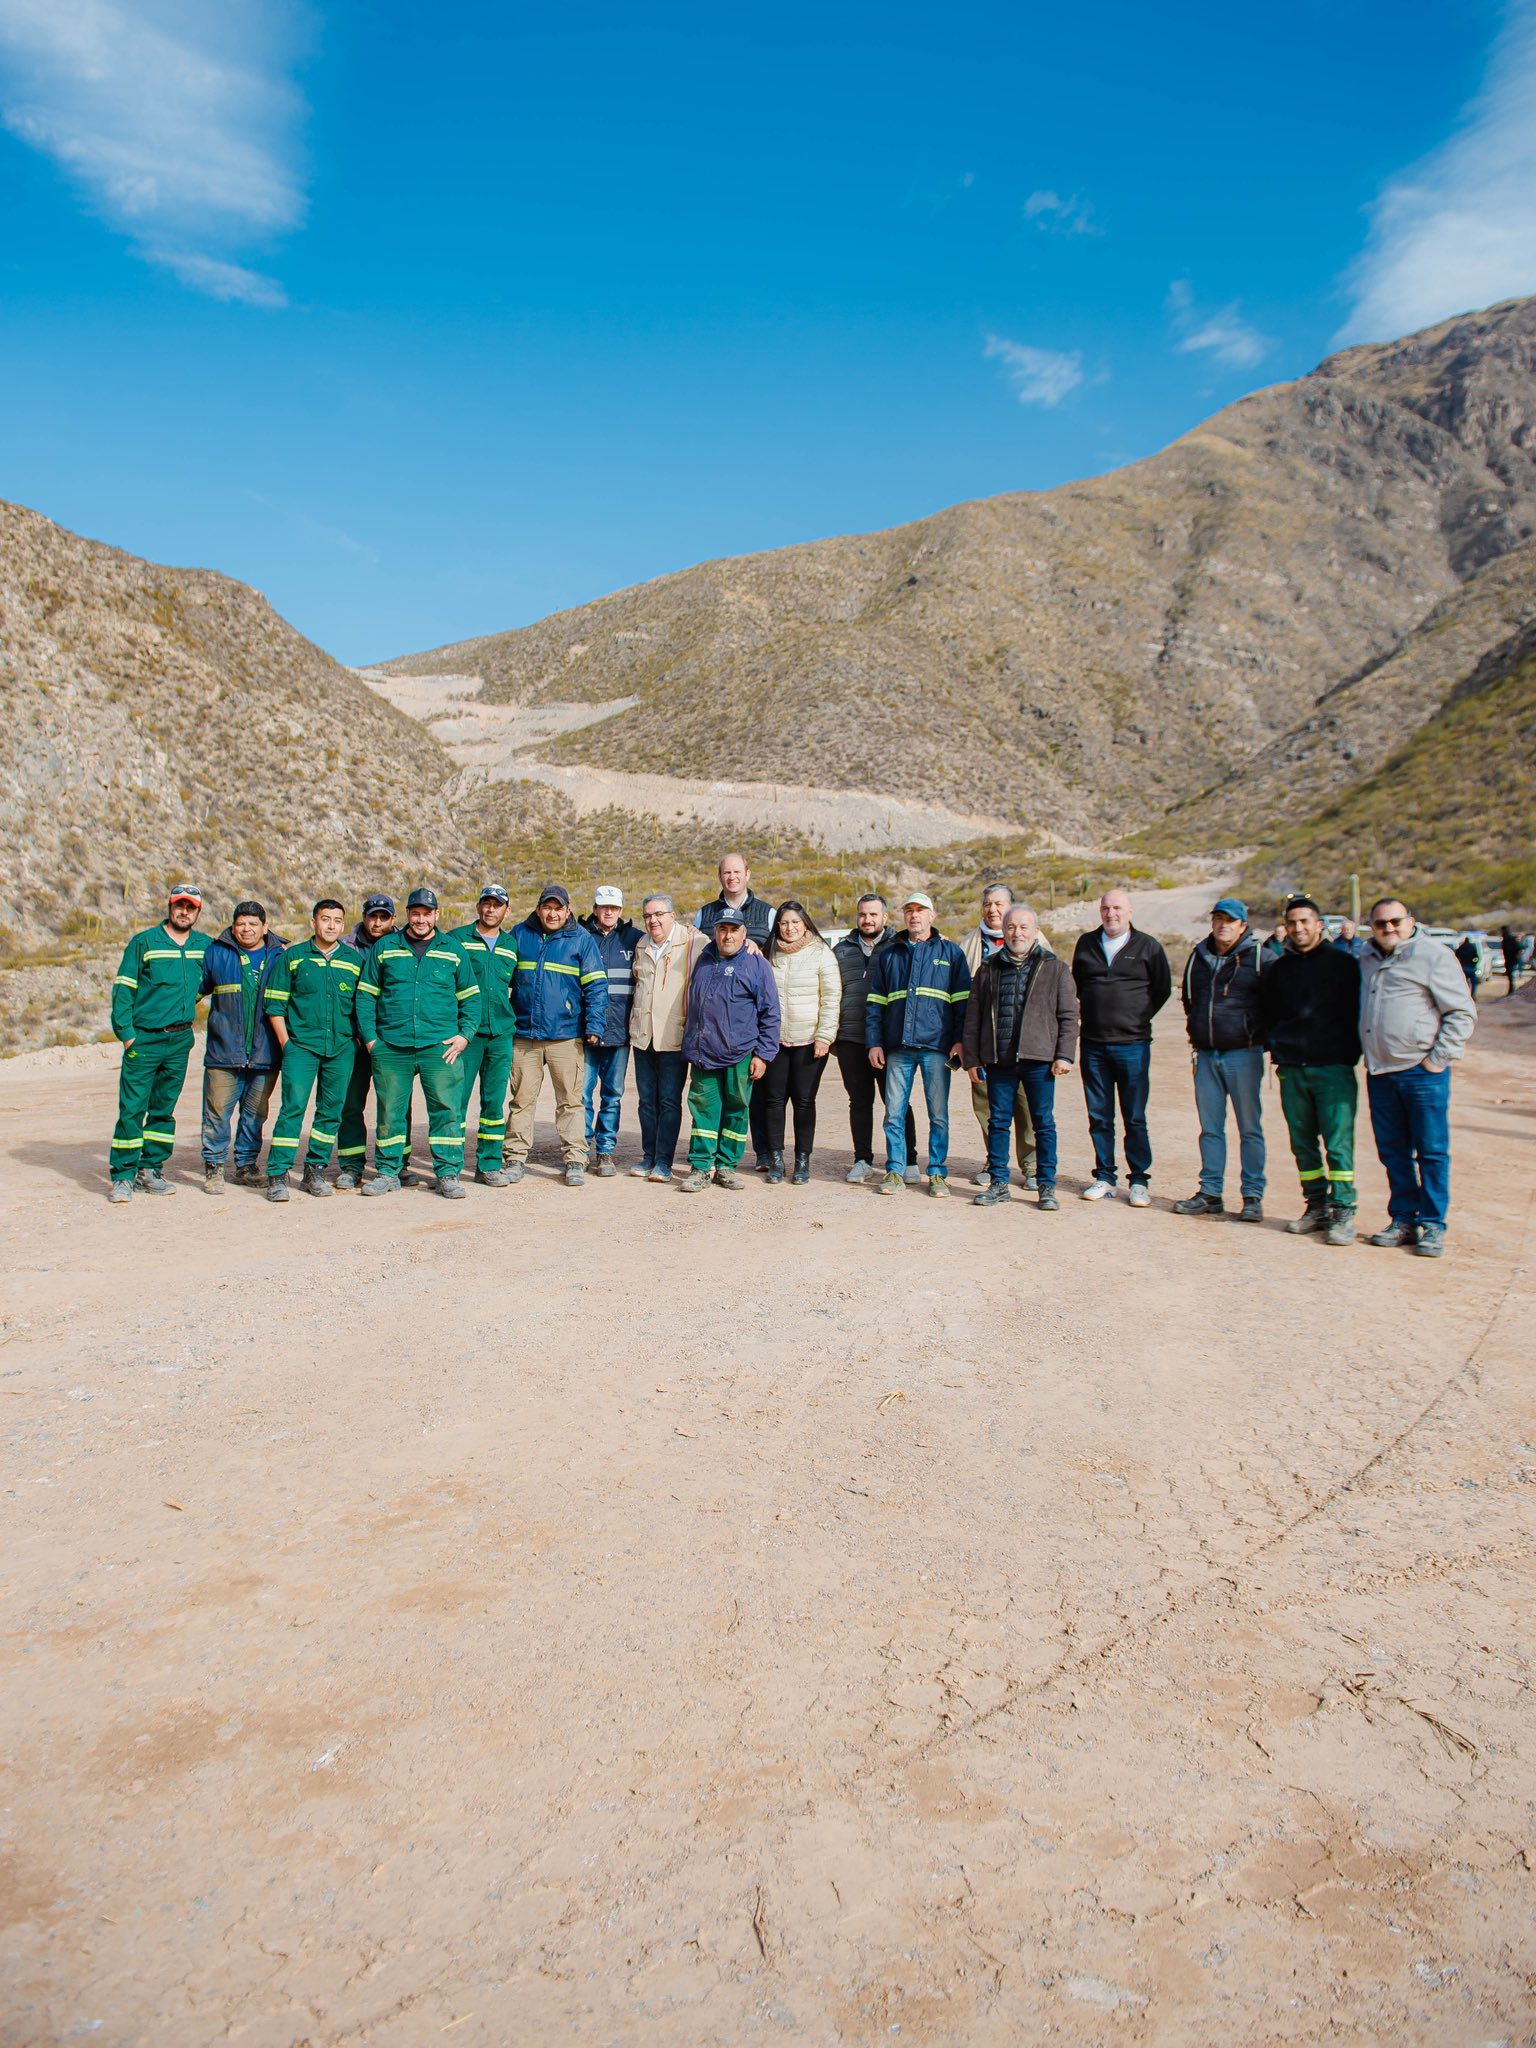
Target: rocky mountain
1084 658
166 722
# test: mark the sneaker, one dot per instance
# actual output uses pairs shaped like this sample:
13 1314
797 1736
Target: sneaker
494 1177
1199 1204
382 1184
603 1167
992 1195
1395 1234
938 1185
641 1172
1252 1210
348 1182
450 1187
695 1183
1031 1183
1048 1198
277 1188
314 1181
912 1176
120 1191
1313 1217
1431 1244
576 1176
214 1182
728 1177
1341 1227
982 1179
1141 1195
860 1171
1099 1191
149 1180
514 1171
660 1173
891 1184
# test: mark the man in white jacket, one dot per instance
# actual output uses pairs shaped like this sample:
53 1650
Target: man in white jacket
664 962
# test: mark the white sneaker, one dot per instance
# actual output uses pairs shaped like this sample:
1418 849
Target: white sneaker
982 1179
1098 1191
859 1171
1141 1195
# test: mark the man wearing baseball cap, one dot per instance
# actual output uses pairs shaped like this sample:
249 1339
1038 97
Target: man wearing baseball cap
730 1035
1220 991
352 1141
607 1061
914 1024
154 999
559 998
418 1006
488 1056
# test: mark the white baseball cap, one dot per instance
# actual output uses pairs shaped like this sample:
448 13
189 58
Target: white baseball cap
607 895
923 902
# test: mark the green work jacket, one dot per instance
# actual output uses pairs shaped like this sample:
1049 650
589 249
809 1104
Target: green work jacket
315 994
157 983
494 968
413 1003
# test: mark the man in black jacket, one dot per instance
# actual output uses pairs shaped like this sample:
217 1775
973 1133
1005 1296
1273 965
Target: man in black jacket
1123 979
855 955
1309 1005
1221 1010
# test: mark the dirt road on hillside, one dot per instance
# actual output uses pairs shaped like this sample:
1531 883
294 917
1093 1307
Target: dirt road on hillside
585 1618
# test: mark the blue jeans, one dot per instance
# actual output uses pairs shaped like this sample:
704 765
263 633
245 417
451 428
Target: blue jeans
1236 1077
901 1071
1039 1085
225 1089
607 1069
1411 1123
1110 1071
659 1078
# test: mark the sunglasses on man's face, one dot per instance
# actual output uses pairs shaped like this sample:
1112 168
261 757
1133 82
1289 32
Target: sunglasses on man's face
1386 924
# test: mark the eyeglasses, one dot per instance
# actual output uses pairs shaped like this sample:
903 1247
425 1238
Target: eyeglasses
1385 924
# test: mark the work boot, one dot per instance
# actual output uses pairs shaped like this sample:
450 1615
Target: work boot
409 1178
382 1184
450 1187
576 1175
891 1184
859 1172
1313 1217
1252 1210
149 1180
1341 1227
775 1169
348 1182
1431 1244
314 1181
993 1195
1048 1197
514 1171
728 1177
603 1167
277 1187
1199 1204
938 1186
763 1163
802 1172
1395 1234
213 1180
120 1191
491 1177
696 1182
249 1176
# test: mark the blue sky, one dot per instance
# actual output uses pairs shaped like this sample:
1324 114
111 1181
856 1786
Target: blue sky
428 322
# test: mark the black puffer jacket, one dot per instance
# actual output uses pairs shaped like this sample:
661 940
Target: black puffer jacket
1221 996
1310 1006
855 967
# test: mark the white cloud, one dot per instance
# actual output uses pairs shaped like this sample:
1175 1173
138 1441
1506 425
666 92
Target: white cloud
172 117
1458 232
1039 376
1224 333
1071 216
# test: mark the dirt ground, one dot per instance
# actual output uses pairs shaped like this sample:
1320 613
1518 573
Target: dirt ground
586 1618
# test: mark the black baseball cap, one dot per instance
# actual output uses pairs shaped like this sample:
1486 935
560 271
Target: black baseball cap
373 904
729 916
552 892
421 899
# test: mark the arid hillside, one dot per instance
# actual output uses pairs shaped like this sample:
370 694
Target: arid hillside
163 722
1082 658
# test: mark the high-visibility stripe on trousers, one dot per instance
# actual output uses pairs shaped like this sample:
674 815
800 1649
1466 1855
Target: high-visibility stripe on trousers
394 1069
328 1077
486 1060
718 1104
148 1084
1319 1105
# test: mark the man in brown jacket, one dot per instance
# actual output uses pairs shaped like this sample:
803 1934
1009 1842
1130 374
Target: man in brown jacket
1020 1032
664 962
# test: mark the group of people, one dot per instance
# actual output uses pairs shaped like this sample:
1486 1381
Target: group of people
744 1007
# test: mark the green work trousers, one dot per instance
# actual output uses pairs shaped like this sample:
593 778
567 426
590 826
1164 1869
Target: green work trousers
1319 1105
148 1084
352 1148
395 1067
718 1099
304 1073
487 1059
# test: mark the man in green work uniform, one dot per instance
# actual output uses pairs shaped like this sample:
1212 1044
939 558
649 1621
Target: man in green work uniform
310 999
418 1006
352 1148
488 1056
154 999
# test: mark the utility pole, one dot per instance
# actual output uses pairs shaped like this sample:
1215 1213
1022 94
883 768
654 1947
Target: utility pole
1354 899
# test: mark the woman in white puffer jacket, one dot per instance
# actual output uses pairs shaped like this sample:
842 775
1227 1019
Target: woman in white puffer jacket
810 991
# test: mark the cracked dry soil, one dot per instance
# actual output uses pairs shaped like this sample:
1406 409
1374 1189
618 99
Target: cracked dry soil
591 1617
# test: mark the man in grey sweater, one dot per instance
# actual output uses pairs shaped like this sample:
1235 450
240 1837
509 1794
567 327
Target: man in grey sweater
1416 1015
